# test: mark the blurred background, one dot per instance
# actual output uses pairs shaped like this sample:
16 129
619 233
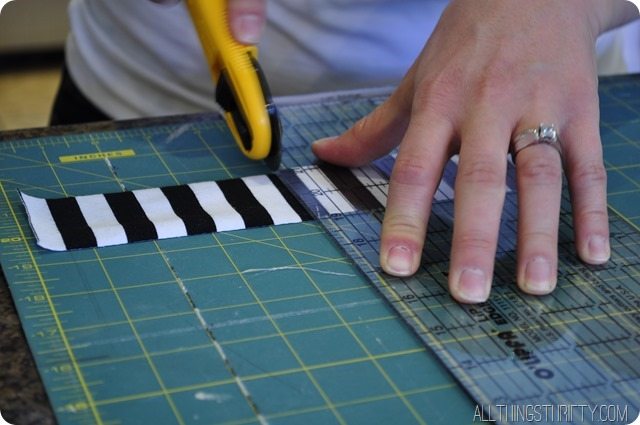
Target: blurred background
32 35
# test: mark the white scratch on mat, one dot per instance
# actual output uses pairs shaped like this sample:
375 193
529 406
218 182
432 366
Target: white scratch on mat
177 133
296 313
115 174
274 269
218 398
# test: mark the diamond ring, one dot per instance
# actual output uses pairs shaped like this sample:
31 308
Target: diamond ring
544 134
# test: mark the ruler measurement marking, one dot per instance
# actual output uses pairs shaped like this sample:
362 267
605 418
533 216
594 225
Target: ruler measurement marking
85 390
143 348
353 230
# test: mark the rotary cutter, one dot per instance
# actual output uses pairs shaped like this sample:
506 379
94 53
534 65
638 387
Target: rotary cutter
242 89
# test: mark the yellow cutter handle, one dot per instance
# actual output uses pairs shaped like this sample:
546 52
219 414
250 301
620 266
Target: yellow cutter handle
235 63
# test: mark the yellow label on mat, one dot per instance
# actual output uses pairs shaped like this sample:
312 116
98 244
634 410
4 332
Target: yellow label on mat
97 155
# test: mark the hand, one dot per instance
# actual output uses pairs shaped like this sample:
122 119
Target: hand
246 18
487 73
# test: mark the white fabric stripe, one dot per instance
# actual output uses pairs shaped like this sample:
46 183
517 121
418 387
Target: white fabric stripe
318 183
373 181
271 199
44 227
158 209
100 218
212 200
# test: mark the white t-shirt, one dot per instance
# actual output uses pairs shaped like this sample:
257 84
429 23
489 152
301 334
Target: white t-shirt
135 58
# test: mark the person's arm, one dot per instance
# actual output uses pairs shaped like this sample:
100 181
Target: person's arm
491 69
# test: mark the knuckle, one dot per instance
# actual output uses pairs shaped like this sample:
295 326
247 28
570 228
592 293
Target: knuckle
405 226
592 215
589 174
482 172
539 238
475 241
540 171
412 171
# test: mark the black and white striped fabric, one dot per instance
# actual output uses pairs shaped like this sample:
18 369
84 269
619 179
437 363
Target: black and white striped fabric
168 212
175 211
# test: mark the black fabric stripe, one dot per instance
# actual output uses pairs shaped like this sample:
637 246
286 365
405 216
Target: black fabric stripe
242 200
131 216
186 206
351 187
290 198
72 225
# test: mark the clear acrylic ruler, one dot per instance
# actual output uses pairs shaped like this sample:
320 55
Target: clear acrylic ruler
561 356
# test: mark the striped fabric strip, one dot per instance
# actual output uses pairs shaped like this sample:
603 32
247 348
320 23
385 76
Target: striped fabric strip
175 211
242 200
186 206
216 205
68 217
103 223
268 195
158 209
131 216
42 223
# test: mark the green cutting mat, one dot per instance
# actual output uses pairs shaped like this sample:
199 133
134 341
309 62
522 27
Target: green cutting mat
115 331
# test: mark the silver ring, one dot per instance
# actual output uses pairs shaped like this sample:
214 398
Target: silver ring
545 134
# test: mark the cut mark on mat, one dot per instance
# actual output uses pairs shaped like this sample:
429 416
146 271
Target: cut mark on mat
309 269
217 346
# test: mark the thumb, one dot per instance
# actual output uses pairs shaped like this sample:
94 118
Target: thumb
374 135
247 19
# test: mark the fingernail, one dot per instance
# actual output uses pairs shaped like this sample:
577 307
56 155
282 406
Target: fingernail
399 261
473 286
247 28
537 276
598 249
323 141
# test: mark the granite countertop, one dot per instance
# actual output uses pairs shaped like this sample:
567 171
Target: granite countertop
22 396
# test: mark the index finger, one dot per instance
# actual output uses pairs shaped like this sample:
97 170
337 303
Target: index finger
416 174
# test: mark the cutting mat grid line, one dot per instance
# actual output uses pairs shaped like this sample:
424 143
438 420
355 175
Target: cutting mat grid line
292 333
620 129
